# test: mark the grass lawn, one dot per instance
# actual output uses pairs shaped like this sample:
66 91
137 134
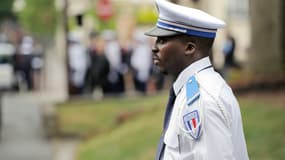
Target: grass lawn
264 127
87 117
137 138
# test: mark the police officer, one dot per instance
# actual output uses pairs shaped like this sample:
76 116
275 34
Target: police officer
202 119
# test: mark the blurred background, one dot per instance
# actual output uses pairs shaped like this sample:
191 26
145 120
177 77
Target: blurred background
77 80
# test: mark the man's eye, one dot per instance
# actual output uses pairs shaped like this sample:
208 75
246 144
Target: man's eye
161 40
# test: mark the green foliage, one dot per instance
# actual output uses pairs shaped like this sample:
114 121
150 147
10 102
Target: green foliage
101 25
146 15
6 5
39 17
6 9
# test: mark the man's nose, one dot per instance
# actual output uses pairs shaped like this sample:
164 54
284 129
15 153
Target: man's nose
154 48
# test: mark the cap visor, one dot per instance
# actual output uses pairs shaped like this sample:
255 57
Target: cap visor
159 32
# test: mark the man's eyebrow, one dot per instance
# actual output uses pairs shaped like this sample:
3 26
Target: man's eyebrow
168 37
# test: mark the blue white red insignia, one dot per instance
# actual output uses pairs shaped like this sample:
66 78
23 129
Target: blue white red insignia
192 124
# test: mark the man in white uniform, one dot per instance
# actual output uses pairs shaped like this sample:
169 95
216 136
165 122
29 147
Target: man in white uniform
141 62
202 119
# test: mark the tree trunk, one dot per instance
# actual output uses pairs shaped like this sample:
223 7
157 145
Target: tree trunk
267 42
283 35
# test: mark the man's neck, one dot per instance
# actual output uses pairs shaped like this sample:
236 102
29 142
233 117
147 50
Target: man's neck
196 57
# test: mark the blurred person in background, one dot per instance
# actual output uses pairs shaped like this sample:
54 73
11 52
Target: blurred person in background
23 65
141 62
202 118
99 67
229 54
126 50
7 62
78 63
116 84
37 63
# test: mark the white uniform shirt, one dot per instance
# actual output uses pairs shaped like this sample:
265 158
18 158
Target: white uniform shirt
220 136
113 54
78 63
141 60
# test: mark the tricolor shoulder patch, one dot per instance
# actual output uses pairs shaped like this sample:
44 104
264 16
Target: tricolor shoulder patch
192 123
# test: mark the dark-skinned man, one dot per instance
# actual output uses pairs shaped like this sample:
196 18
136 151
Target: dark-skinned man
202 119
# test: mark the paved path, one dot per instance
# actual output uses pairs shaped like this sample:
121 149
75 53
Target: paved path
22 132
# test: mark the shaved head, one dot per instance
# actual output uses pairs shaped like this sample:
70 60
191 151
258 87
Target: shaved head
203 44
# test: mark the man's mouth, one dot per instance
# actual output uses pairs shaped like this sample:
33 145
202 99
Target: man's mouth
155 60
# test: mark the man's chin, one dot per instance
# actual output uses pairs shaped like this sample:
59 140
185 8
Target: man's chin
162 70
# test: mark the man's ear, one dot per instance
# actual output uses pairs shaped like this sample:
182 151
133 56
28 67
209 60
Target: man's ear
190 48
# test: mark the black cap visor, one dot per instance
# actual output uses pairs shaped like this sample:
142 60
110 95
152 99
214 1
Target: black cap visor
160 32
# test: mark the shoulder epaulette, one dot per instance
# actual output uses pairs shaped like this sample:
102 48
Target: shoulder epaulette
192 90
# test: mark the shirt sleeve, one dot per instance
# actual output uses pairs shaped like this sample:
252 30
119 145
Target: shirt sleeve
217 137
239 145
215 142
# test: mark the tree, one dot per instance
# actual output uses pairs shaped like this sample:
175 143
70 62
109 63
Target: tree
39 17
6 9
267 51
283 35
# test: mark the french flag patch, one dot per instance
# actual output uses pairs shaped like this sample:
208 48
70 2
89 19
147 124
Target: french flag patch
192 124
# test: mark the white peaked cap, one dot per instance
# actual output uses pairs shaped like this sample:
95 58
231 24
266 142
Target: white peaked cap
175 19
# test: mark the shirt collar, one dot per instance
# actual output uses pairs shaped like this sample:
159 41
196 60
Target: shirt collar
190 71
